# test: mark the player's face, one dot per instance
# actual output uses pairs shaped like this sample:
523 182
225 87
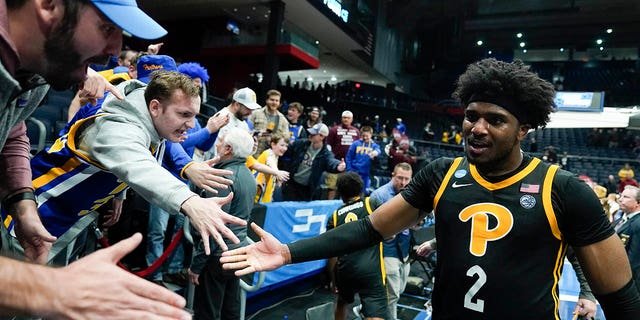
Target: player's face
279 148
492 137
68 54
400 179
628 202
173 118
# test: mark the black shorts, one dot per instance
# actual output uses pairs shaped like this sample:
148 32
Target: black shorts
372 291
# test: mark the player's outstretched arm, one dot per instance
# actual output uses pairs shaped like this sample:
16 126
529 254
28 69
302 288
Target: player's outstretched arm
90 288
267 254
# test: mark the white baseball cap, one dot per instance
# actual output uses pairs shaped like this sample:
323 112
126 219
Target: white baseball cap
319 128
347 113
247 97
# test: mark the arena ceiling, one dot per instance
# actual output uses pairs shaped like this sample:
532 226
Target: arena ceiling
543 23
450 28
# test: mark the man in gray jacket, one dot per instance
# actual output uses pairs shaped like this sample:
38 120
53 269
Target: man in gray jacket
217 293
122 146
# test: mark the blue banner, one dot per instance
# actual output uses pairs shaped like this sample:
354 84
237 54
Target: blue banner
291 221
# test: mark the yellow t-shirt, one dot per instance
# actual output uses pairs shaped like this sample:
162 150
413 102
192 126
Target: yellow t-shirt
250 162
266 182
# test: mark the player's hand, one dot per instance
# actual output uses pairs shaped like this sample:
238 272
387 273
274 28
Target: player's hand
216 122
30 232
586 308
94 87
267 254
113 216
95 288
208 178
207 217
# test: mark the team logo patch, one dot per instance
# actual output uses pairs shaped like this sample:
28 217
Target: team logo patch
527 201
460 173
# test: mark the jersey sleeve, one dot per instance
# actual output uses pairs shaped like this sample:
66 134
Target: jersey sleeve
423 187
581 218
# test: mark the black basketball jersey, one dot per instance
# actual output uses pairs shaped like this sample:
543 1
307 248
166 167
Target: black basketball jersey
488 232
367 261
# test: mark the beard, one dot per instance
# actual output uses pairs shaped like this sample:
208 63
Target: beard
63 60
240 116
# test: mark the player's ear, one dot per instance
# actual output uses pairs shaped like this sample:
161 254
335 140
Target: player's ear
523 131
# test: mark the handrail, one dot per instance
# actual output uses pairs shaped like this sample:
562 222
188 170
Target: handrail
190 292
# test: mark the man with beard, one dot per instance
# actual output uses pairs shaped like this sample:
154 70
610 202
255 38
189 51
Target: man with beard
51 43
268 121
503 219
244 102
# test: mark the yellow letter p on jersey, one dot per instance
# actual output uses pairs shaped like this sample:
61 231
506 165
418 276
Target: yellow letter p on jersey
480 232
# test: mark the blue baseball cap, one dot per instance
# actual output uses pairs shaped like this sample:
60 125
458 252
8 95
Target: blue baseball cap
127 15
150 63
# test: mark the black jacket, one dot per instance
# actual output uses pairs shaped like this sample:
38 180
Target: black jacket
324 161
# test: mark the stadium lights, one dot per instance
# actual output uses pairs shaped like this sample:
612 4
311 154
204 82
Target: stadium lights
479 42
522 44
599 41
490 52
524 50
519 35
601 48
609 30
561 49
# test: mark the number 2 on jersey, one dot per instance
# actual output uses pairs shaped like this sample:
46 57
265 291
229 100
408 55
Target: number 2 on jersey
478 305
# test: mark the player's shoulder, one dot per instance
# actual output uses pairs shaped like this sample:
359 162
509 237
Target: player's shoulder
443 163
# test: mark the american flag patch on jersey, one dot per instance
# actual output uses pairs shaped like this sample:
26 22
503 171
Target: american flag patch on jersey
530 188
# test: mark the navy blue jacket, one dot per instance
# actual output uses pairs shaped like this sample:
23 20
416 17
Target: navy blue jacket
324 161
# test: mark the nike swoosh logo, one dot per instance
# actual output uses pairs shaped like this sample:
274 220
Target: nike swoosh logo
456 185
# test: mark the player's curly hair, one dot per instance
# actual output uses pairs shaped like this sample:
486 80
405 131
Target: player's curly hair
349 185
531 97
194 70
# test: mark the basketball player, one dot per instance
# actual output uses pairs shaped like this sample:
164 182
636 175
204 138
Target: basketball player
503 219
362 271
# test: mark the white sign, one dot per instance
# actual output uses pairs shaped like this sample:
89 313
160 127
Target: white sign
336 7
